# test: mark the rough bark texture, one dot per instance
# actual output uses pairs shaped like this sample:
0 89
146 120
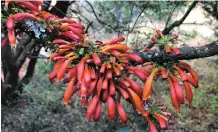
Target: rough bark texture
188 53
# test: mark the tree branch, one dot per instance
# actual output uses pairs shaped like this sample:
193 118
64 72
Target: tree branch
139 15
188 53
177 23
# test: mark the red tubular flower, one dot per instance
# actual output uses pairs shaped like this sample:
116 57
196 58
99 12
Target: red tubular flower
72 72
135 86
92 85
121 112
112 88
104 95
151 126
148 85
77 25
109 74
105 83
21 16
173 95
70 90
92 73
124 83
182 74
159 33
123 92
66 21
96 59
176 51
188 92
60 41
111 108
193 81
178 89
70 35
116 40
92 107
175 36
168 50
28 5
141 73
161 120
97 111
163 73
154 39
185 66
133 57
102 69
83 89
99 85
10 23
4 41
80 69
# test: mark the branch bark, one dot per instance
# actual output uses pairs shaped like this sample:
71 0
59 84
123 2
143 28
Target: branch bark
188 53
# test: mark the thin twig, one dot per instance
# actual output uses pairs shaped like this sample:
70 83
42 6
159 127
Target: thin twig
139 15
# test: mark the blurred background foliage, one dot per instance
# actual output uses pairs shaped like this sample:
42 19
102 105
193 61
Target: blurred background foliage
40 108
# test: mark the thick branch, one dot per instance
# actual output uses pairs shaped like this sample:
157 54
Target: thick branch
188 53
177 23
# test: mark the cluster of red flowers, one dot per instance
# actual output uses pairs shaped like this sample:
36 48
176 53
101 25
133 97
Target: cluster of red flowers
99 71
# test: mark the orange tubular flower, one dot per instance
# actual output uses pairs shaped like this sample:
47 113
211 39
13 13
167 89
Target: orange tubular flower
174 99
80 69
116 71
188 92
111 108
12 37
21 16
92 85
62 70
92 73
136 100
92 107
121 112
55 70
133 57
181 73
178 89
70 90
123 92
148 85
151 126
141 73
87 76
97 111
96 59
118 47
135 86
